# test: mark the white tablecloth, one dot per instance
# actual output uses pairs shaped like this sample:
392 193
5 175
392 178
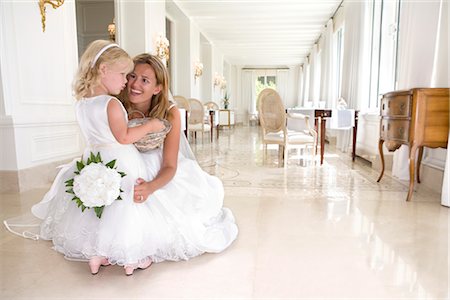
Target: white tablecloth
445 196
340 118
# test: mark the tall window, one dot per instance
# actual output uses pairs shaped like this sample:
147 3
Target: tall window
264 79
385 18
263 82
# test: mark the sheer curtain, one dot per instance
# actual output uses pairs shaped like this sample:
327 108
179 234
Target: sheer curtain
355 61
313 77
305 92
422 54
301 74
247 94
355 79
282 80
326 63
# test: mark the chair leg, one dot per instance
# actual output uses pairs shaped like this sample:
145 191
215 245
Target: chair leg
280 155
285 159
264 152
314 150
300 154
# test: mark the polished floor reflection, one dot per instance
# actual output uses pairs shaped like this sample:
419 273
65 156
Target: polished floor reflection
307 231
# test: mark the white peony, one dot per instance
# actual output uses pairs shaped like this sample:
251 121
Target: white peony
97 185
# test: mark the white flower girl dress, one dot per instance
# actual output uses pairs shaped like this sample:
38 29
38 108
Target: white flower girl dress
183 219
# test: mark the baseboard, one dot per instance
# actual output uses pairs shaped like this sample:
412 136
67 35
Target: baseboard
31 178
9 182
432 178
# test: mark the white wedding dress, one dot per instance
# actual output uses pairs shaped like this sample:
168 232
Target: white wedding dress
183 219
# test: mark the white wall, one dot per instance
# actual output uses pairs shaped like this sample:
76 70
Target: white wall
205 81
130 24
37 121
138 24
194 56
180 50
217 67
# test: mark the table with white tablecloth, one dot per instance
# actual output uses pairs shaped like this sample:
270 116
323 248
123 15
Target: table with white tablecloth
340 119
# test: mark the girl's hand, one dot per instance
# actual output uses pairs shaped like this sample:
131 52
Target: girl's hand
156 125
141 190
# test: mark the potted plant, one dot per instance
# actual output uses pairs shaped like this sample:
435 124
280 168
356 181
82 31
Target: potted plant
226 100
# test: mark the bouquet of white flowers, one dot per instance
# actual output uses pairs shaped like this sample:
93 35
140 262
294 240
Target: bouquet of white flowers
95 184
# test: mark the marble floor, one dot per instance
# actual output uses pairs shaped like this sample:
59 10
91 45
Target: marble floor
307 231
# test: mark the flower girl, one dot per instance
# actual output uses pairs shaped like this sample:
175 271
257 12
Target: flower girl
79 212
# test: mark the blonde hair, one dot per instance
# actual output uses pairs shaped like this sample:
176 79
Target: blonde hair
159 103
98 52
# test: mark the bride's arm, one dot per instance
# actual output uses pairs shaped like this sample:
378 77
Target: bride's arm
169 163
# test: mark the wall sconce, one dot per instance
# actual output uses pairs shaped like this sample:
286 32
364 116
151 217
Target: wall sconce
162 47
198 70
223 84
54 3
217 79
112 30
220 81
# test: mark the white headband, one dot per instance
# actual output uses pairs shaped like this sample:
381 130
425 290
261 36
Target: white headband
101 52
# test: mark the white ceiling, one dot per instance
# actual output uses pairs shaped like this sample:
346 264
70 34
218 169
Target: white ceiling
261 32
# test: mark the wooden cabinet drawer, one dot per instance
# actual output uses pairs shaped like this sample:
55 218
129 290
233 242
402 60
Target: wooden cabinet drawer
397 130
399 106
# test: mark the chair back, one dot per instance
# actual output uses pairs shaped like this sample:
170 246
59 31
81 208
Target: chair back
272 114
211 105
197 113
182 102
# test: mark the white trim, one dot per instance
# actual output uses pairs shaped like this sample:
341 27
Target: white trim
434 163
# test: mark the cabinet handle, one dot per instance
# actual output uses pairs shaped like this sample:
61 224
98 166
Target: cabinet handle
382 107
402 106
401 130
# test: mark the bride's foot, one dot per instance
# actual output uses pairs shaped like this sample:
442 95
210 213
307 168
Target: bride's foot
95 263
143 265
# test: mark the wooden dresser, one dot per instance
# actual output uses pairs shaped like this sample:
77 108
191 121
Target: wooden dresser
417 118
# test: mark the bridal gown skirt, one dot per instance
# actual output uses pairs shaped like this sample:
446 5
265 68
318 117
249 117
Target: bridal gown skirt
183 219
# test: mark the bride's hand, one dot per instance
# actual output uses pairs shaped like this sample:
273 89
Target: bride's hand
141 190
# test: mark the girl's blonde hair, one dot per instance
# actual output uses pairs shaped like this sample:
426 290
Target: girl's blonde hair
159 102
97 53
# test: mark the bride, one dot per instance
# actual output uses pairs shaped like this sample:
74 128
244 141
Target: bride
186 202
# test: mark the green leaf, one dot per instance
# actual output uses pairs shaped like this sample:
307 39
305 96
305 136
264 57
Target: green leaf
119 198
69 182
122 174
99 211
111 164
70 191
80 165
92 156
98 158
